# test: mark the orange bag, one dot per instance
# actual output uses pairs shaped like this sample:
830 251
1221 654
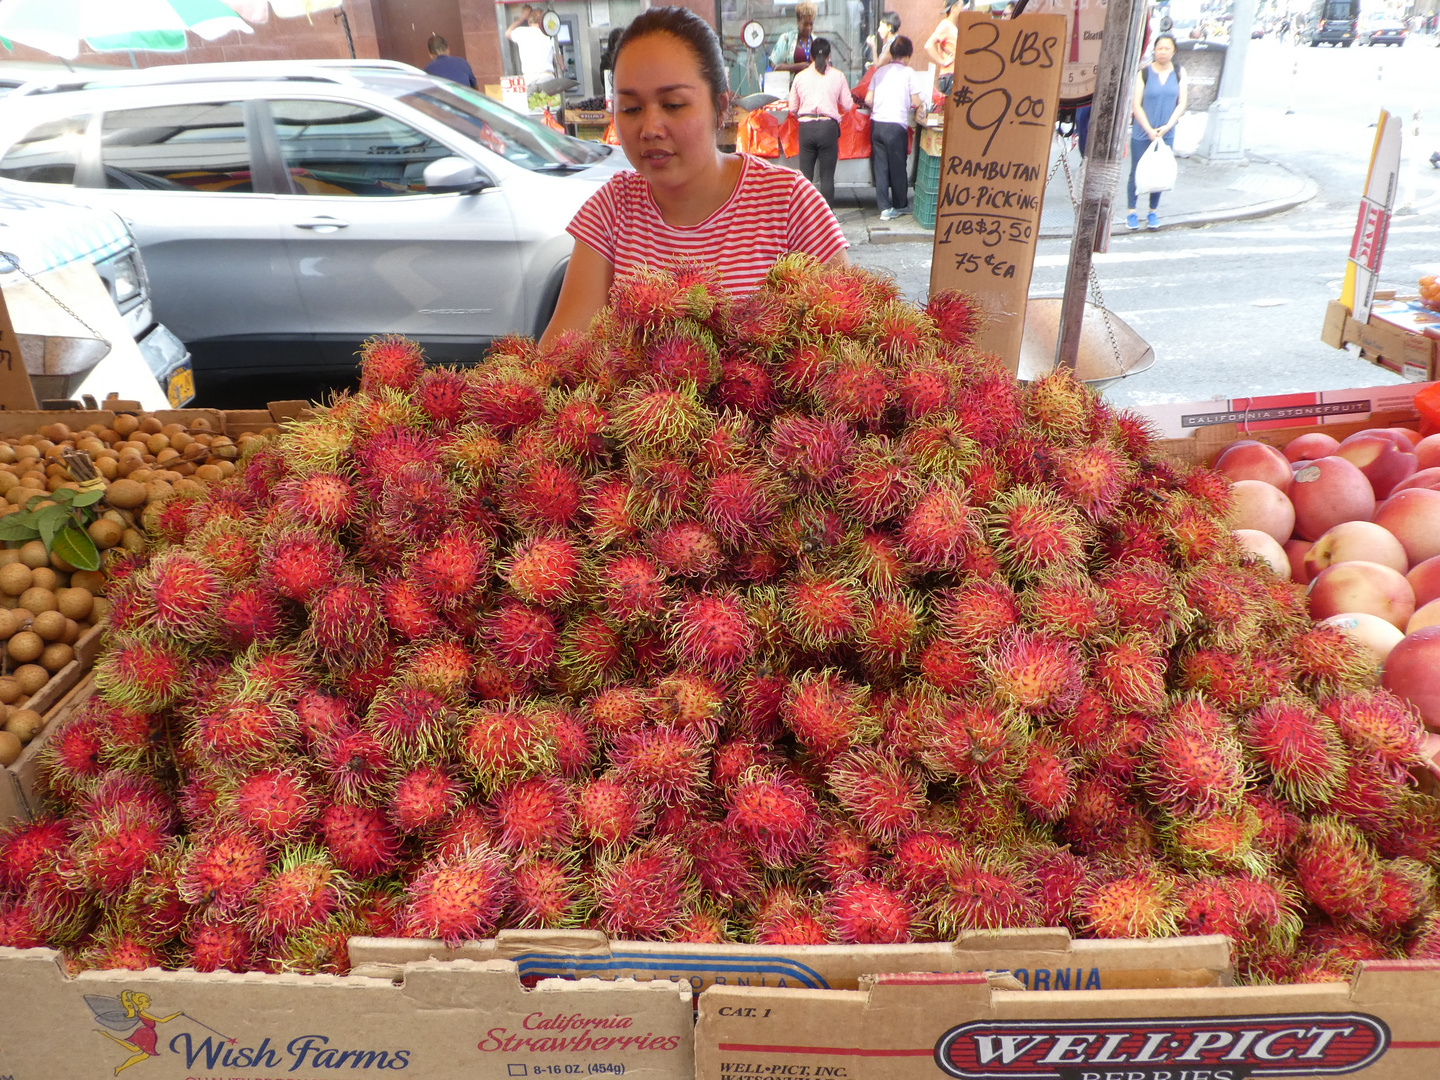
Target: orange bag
854 135
790 136
611 139
758 134
549 119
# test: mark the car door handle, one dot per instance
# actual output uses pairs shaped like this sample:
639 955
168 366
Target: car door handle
322 224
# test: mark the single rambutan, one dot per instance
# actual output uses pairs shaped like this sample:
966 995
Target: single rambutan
888 630
811 453
323 499
956 315
632 588
827 714
724 865
785 916
741 504
822 609
1193 771
219 946
1299 748
774 813
1034 672
359 839
710 631
250 615
242 731
883 795
936 529
541 493
1140 900
976 613
444 397
545 893
543 570
1336 868
390 361
1045 783
642 893
686 548
1130 673
1035 532
355 762
591 652
501 745
423 797
945 665
1104 822
443 665
319 715
1056 875
1406 896
1379 725
1067 605
276 804
458 896
661 488
667 764
610 813
522 638
221 869
534 816
853 386
453 569
971 741
982 893
298 563
869 913
507 396
143 673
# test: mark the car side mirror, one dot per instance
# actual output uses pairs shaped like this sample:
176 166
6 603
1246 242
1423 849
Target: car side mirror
454 175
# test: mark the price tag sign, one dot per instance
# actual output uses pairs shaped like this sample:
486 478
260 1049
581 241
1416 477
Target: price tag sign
998 123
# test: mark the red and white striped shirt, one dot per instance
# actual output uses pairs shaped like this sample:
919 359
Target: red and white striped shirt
772 212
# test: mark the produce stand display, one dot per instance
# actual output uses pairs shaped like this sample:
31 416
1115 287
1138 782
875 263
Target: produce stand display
1400 335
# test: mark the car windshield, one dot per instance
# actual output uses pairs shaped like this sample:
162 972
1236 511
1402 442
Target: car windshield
516 138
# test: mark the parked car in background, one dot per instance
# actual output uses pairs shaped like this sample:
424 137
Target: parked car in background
1333 22
16 73
40 235
1384 32
287 211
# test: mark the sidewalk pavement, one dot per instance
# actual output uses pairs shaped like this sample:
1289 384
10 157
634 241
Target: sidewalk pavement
1204 194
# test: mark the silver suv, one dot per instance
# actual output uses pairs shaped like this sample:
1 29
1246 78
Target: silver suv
286 211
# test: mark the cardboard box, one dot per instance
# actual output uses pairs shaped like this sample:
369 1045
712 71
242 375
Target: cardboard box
434 1021
1040 958
1383 1025
1395 338
15 422
587 116
1196 431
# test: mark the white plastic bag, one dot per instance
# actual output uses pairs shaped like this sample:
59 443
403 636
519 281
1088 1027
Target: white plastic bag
1156 170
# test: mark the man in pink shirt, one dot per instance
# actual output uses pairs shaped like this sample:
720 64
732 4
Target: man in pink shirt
818 96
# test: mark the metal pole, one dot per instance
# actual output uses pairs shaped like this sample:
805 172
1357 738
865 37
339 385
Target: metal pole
1109 116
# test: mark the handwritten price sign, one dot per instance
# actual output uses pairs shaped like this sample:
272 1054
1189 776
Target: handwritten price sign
998 121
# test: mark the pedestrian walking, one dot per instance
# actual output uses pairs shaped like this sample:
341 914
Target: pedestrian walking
1160 97
894 91
818 95
444 66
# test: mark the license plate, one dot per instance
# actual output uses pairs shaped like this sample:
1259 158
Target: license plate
180 389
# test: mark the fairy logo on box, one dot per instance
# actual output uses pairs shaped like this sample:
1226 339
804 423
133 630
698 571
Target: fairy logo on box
1213 1048
130 1014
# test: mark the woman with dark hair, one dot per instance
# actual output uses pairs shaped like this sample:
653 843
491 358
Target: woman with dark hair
818 96
685 200
894 91
1160 95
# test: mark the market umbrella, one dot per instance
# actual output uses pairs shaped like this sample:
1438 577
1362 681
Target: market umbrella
59 26
258 11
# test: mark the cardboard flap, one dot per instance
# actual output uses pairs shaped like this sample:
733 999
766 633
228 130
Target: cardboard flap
1039 939
1417 980
516 942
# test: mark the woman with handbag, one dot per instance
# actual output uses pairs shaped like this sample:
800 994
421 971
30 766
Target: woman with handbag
1160 97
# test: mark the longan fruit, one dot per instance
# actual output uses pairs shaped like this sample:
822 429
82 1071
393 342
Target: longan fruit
50 625
37 600
25 647
43 577
200 423
7 453
185 483
10 690
16 577
172 429
105 533
75 602
227 468
25 724
72 632
108 467
209 474
56 656
7 481
125 424
9 624
92 581
150 425
34 555
126 494
132 540
101 612
32 677
10 748
59 564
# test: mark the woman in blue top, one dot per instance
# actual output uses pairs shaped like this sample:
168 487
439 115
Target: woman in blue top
1159 103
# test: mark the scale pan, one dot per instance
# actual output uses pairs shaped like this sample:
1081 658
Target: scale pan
1099 363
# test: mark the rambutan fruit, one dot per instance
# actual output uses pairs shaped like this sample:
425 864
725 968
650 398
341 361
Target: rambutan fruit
1034 672
320 715
659 419
442 665
1367 796
458 896
936 529
444 395
642 893
775 813
277 804
809 452
324 499
758 695
71 761
412 722
355 762
1192 771
710 631
1407 896
903 335
183 594
591 651
686 548
303 889
877 560
645 300
501 745
249 616
541 493
423 797
879 483
741 504
1144 595
1378 725
242 732
971 741
143 673
883 795
888 631
976 613
616 709
453 569
827 714
112 848
1337 869
346 623
359 839
1135 900
940 445
1092 478
1045 783
1067 605
822 608
522 638
545 893
745 384
666 764
507 396
1220 841
543 570
853 386
723 864
534 816
390 361
661 488
1056 875
1035 532
870 913
1413 830
1299 748
982 893
682 357
221 869
956 315
632 588
1104 822
607 503
1130 673
947 667
760 321
785 916
218 946
1280 825
299 563
610 813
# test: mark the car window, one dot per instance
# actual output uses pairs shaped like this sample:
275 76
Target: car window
49 154
335 148
188 147
516 138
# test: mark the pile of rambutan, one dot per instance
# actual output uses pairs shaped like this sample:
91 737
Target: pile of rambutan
786 619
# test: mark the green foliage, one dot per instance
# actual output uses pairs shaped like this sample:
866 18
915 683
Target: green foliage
61 527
